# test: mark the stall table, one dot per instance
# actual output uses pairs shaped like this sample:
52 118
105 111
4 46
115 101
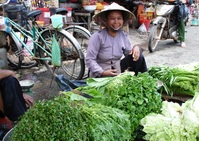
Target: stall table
85 16
177 97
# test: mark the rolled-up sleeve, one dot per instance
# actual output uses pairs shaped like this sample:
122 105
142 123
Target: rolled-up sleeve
128 46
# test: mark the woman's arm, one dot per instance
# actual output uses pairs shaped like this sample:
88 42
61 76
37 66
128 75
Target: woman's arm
6 73
91 55
131 50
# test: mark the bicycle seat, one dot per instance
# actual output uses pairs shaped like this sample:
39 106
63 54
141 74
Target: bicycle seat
61 11
14 8
34 14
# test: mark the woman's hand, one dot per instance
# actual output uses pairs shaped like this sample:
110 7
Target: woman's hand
135 52
29 100
111 72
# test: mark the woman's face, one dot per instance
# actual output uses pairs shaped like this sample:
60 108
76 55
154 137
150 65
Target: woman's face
115 20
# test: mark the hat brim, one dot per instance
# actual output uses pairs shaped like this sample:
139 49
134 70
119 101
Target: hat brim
100 18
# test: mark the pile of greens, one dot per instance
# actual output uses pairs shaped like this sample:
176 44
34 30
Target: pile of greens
177 79
174 123
113 114
61 119
136 95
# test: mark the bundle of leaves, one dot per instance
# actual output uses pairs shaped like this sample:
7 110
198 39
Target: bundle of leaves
106 123
63 120
136 95
176 79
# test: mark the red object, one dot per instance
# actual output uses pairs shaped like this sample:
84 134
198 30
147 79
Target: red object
140 9
73 0
5 123
45 15
146 23
69 14
69 8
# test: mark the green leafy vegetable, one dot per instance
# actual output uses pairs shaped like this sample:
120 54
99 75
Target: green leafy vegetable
176 80
136 95
61 119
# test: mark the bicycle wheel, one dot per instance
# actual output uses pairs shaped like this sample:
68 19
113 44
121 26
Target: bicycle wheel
19 58
72 58
82 35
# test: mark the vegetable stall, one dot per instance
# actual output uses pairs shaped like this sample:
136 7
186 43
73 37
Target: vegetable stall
123 108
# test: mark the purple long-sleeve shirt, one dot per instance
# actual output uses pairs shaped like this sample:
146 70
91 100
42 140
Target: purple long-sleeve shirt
105 51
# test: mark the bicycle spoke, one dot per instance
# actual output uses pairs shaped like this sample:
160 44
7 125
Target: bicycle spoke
69 55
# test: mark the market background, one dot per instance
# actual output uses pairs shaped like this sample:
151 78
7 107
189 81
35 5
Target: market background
167 53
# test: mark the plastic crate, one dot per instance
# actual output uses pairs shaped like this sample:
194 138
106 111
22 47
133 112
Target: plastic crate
45 15
195 22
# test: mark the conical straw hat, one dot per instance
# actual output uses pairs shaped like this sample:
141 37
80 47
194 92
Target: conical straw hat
100 18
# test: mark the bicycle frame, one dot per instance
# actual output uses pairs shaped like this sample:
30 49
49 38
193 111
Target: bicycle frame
48 43
32 35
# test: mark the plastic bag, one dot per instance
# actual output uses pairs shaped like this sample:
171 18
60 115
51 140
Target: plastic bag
56 54
142 28
67 85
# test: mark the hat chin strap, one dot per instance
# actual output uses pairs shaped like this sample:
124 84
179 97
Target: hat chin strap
112 29
115 30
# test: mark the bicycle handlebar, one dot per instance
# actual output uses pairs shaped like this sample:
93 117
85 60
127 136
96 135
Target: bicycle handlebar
7 1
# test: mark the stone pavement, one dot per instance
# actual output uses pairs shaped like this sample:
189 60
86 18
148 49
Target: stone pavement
138 38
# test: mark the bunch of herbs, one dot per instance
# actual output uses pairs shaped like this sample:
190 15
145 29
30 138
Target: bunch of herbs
63 119
136 95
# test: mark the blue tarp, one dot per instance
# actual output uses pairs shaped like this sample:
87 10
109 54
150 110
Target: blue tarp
67 85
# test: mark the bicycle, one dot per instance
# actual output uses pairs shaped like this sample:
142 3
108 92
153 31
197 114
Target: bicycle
82 36
72 58
80 33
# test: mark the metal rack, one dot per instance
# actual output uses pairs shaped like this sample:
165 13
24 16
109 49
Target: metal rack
84 16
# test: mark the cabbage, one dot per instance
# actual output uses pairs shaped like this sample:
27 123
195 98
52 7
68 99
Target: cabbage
174 123
171 109
191 122
195 104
